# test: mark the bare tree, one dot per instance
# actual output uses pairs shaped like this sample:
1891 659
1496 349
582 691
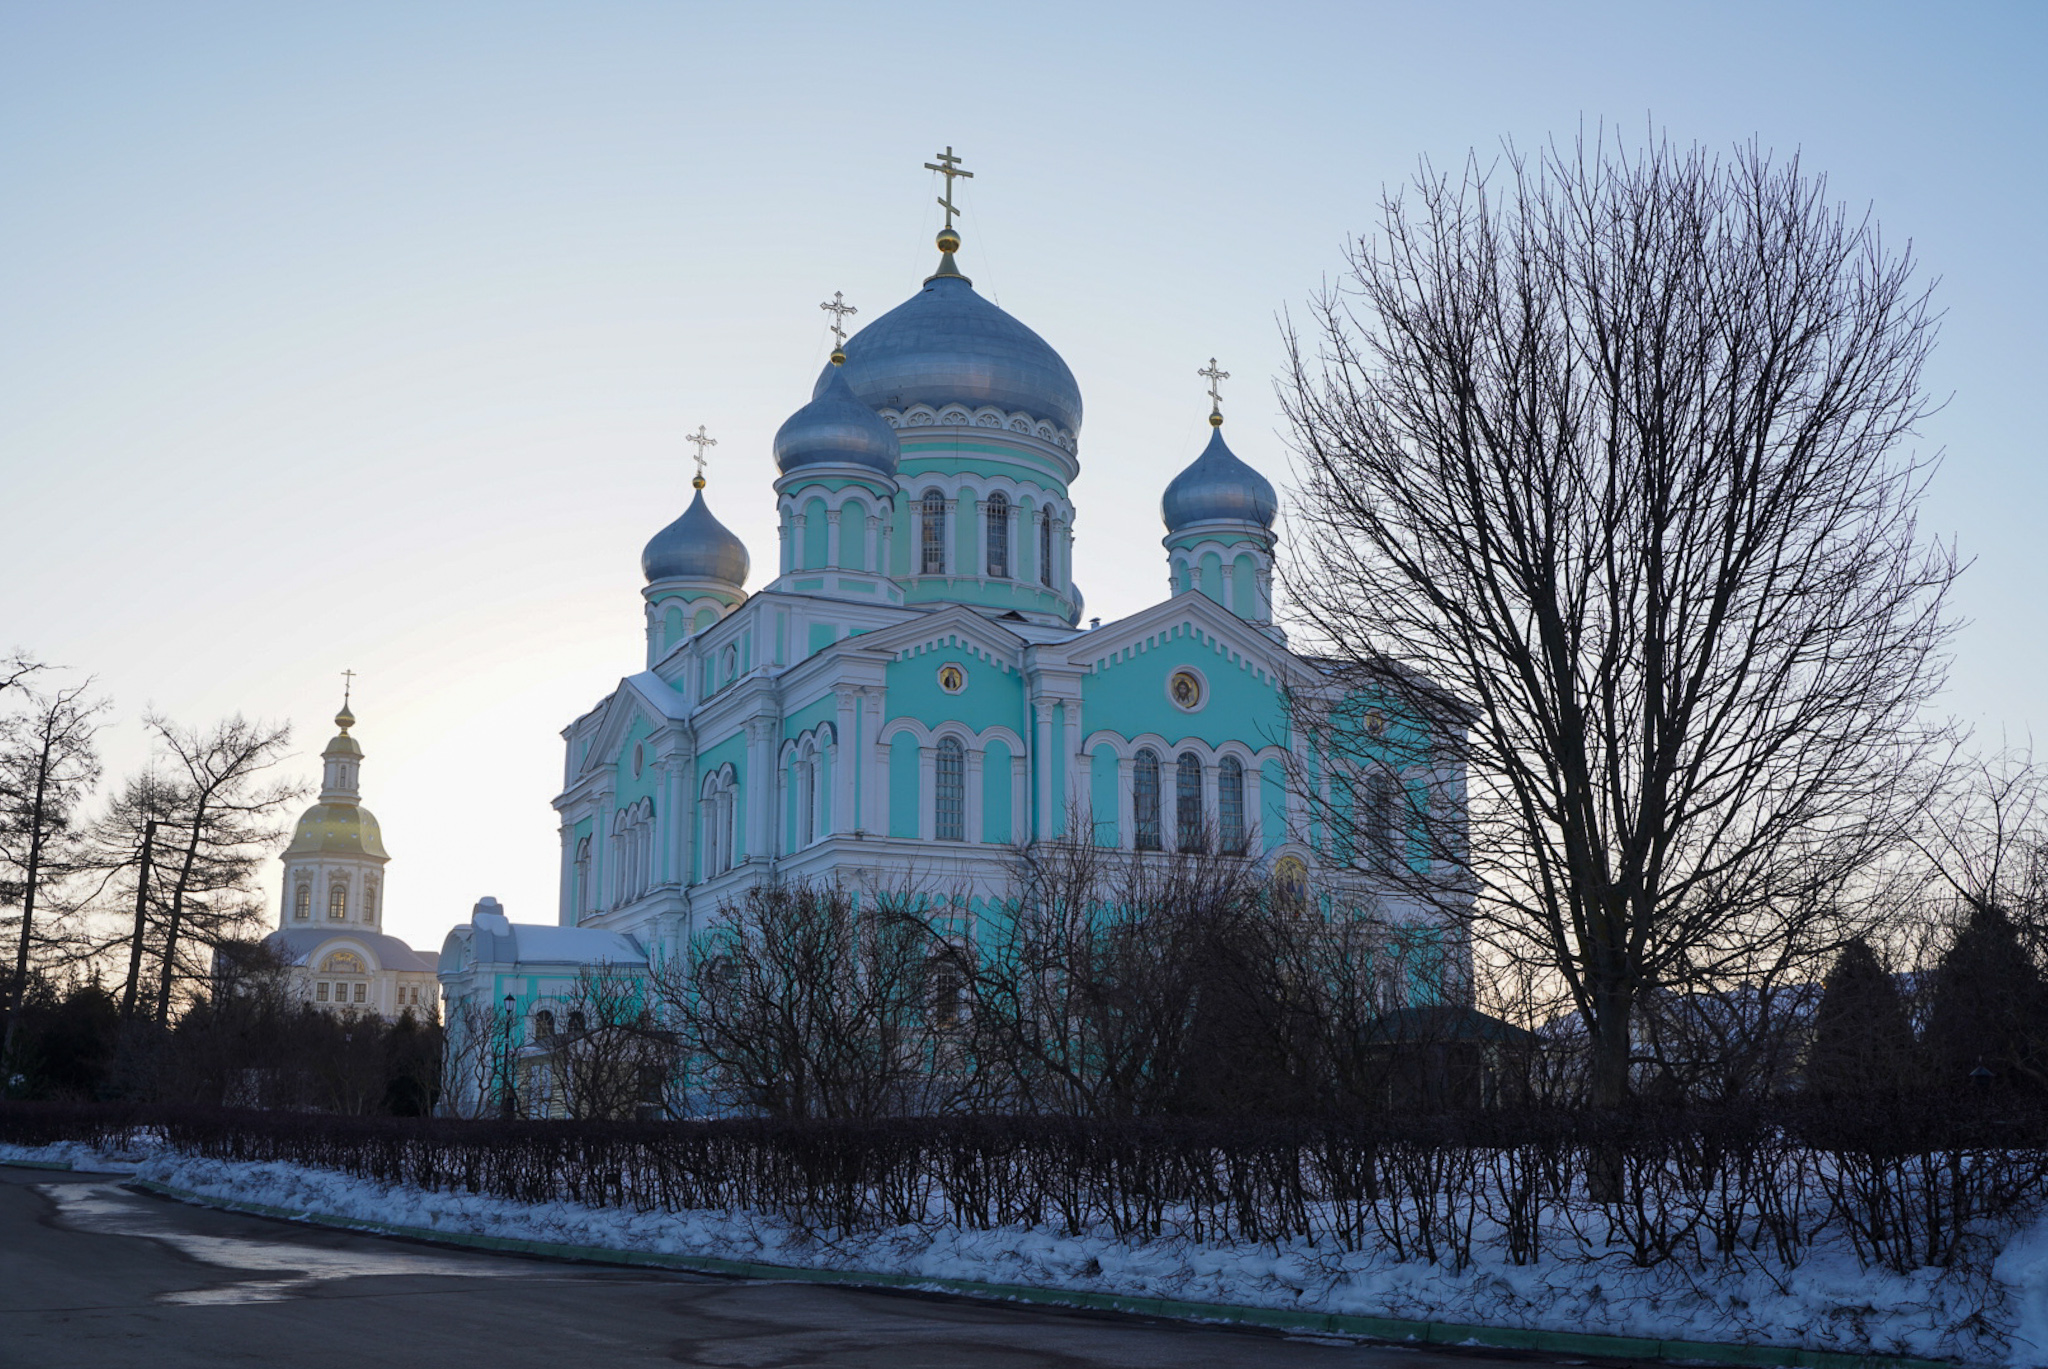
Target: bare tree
48 766
1605 445
17 666
224 820
607 1053
810 1001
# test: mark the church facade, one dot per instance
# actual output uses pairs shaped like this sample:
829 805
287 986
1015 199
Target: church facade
911 699
330 933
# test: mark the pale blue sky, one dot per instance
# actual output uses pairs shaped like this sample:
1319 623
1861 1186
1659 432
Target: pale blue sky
366 335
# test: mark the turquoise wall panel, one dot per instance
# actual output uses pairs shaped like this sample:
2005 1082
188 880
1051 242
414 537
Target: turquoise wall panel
822 636
627 787
853 535
993 697
1128 696
1103 799
903 785
995 794
816 533
1273 804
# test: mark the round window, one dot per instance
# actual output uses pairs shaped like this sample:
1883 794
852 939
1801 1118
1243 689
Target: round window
1186 689
952 678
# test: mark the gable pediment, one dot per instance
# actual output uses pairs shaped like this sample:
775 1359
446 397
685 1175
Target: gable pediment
1188 615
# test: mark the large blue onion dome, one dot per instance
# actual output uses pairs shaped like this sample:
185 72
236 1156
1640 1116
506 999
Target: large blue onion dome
946 344
696 547
1218 488
835 429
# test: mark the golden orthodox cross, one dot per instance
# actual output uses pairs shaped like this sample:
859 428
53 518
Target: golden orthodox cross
348 684
839 309
948 166
702 442
1215 379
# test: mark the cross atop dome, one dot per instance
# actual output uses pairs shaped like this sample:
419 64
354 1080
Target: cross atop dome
1215 379
702 440
948 166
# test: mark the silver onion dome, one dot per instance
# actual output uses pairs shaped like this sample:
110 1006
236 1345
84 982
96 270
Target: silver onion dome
835 429
696 547
1218 488
946 344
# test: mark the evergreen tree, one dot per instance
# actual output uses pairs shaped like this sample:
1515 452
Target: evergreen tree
1990 1007
1862 1033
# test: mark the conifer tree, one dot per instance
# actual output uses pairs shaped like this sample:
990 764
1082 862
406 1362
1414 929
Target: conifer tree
1990 1007
1862 1033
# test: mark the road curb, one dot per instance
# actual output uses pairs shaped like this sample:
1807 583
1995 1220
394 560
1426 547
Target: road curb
1393 1329
36 1164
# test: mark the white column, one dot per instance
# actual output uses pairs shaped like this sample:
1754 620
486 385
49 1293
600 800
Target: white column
1126 804
874 814
832 557
796 543
682 811
761 787
1041 766
972 816
1070 747
981 538
1015 561
846 746
950 538
927 793
1020 801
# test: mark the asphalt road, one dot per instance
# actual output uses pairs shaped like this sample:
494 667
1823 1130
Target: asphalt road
93 1274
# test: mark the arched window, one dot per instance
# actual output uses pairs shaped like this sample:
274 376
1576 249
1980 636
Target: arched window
999 536
950 797
1145 800
337 902
1045 547
1376 821
1230 806
719 800
1190 827
807 797
302 902
370 901
582 867
543 1025
933 505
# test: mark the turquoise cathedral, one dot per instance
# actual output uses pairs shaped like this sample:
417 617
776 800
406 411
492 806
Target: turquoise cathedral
911 697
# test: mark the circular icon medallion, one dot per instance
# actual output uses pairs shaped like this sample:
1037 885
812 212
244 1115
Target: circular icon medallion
1184 687
952 678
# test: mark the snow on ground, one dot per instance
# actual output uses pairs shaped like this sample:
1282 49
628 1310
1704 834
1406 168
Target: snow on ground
1830 1302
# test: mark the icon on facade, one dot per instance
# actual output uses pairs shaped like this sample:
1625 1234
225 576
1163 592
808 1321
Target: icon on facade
952 679
1185 689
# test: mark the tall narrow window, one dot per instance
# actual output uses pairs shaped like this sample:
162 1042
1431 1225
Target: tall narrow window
1230 805
1045 547
950 798
302 903
999 536
1376 821
1189 826
933 505
370 902
337 902
1145 800
807 800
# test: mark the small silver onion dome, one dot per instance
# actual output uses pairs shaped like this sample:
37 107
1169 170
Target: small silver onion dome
838 430
1218 488
946 344
696 547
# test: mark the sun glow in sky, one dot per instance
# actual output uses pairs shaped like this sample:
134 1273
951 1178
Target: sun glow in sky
366 336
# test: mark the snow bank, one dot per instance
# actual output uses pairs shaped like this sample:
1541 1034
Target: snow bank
1830 1302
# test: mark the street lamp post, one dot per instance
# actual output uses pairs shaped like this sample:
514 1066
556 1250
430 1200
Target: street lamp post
505 1097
